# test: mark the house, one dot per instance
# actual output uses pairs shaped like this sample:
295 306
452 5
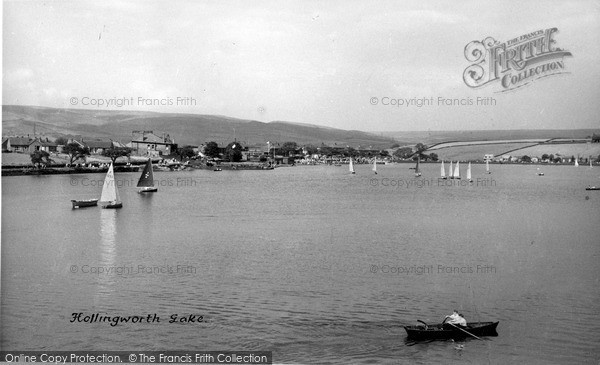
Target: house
488 157
147 143
40 145
98 147
95 146
17 144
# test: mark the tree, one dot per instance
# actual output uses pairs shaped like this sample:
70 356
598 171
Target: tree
403 152
433 156
384 153
186 152
75 151
326 151
61 141
40 159
287 148
420 148
115 152
526 158
212 149
311 149
545 156
233 152
350 152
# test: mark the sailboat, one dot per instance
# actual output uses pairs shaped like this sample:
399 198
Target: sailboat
539 173
110 195
469 173
351 166
450 176
590 162
457 171
146 181
375 166
417 169
487 166
576 163
442 172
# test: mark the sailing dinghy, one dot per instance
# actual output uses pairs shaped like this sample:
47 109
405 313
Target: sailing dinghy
146 181
110 195
457 171
351 166
469 173
442 172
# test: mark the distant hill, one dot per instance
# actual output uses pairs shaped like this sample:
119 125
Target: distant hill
191 129
430 138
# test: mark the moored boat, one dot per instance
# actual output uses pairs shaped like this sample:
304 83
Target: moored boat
445 331
592 188
146 181
110 195
84 203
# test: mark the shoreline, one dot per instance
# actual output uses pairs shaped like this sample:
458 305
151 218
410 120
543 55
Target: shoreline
24 170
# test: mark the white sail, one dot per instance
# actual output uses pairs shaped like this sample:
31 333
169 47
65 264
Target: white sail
351 166
109 188
576 163
469 172
487 166
375 165
442 170
590 162
457 171
450 170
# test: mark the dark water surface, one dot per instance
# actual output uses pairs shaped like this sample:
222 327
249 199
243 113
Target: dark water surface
312 263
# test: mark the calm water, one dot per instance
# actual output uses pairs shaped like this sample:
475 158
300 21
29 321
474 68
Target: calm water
292 261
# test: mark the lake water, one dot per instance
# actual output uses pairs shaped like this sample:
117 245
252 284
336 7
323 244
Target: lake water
309 262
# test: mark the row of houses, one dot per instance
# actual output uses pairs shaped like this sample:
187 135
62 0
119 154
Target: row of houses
26 144
146 143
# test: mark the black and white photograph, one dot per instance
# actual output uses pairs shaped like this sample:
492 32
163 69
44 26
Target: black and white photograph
300 182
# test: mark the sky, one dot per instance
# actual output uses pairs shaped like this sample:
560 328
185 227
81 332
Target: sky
332 63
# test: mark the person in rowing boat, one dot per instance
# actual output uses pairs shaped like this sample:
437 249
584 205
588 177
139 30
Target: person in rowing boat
455 319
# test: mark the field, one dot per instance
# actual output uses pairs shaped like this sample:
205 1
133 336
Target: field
475 152
563 149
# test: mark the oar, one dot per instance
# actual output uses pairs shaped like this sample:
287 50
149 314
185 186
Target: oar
469 333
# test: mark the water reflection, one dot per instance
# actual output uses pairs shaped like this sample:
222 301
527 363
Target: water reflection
108 230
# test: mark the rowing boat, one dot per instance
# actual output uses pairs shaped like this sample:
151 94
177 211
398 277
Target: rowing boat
445 331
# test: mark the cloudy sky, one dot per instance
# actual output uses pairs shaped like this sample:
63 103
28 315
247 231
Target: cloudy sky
318 62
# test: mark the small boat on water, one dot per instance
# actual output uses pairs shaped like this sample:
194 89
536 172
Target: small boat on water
442 171
351 166
446 331
576 163
487 166
539 173
146 181
456 174
469 173
110 195
450 176
84 203
592 188
375 166
417 169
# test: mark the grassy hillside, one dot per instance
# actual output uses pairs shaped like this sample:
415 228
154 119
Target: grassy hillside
184 128
433 137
